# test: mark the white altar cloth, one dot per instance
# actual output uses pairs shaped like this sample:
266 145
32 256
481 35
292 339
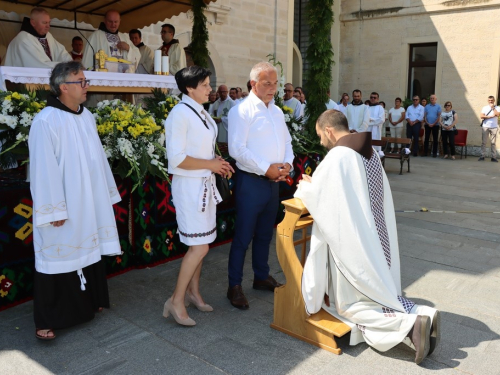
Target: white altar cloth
40 76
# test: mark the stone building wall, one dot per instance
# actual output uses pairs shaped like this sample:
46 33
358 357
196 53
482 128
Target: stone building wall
374 51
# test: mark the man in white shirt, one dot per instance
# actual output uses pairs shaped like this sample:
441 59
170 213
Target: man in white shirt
489 126
112 42
233 94
396 118
377 118
34 46
291 102
330 104
260 143
220 110
414 118
147 61
357 113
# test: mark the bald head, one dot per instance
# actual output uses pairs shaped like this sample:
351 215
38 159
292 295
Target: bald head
40 20
223 91
112 20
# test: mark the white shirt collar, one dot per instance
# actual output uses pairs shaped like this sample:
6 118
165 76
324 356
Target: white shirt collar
187 99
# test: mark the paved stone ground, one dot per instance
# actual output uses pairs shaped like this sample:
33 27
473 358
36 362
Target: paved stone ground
450 261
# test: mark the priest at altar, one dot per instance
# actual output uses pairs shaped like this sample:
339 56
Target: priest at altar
73 191
112 42
34 46
353 267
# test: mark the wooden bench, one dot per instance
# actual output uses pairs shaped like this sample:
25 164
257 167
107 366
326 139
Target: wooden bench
290 314
401 156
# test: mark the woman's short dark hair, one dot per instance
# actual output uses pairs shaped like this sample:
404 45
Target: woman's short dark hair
191 76
60 74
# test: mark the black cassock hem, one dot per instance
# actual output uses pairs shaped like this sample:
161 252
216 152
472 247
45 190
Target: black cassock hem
59 302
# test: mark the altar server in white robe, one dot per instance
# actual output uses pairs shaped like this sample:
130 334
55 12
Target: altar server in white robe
34 46
354 258
112 42
73 191
377 118
357 113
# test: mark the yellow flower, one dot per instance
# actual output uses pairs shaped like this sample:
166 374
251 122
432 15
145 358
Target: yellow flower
16 95
287 109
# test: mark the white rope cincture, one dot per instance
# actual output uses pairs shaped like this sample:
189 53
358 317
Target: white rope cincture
82 279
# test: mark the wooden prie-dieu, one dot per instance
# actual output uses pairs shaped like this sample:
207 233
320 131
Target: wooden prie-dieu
290 314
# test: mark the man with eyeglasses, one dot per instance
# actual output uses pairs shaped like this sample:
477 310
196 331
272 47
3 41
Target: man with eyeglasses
172 49
112 42
432 114
489 126
377 118
73 191
220 110
34 46
414 118
291 102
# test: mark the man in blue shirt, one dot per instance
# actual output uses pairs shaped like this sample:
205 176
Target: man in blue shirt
431 121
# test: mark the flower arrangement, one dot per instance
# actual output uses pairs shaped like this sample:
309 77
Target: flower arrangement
17 111
160 104
132 140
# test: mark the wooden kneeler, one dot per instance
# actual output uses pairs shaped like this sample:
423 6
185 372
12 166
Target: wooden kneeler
290 314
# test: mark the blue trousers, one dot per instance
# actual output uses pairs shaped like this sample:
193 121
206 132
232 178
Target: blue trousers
413 132
257 202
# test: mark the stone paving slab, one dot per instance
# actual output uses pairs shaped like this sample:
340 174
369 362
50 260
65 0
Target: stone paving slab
449 261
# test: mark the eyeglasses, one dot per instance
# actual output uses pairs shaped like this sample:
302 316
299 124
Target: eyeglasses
84 83
373 97
288 90
416 100
447 105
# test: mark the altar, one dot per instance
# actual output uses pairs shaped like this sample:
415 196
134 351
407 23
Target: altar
100 82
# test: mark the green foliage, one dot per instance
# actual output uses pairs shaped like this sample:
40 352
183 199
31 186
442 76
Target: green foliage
199 36
319 55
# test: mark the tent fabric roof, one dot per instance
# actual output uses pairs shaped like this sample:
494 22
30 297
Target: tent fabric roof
134 13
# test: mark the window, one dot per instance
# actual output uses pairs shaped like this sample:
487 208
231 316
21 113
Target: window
422 70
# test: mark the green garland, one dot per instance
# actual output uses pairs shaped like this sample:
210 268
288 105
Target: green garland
199 35
319 54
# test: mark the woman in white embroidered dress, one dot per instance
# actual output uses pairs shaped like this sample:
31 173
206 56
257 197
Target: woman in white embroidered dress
190 138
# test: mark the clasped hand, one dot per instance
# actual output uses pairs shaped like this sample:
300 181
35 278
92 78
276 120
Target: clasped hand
123 46
278 171
220 166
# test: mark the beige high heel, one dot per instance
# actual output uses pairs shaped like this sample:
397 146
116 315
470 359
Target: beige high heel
168 309
188 299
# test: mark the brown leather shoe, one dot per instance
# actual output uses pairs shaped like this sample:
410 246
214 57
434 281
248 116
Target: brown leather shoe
420 337
267 284
237 298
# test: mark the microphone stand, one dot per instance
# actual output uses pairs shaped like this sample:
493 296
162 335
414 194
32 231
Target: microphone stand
93 50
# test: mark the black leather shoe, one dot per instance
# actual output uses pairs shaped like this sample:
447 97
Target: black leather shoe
237 298
267 284
494 160
481 159
435 332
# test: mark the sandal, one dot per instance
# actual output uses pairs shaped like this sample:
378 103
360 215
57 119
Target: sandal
46 337
100 309
452 158
445 157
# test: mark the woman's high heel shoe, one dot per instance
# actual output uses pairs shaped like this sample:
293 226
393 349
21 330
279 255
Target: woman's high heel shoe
168 309
189 299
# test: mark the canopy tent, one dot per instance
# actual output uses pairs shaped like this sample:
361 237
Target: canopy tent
134 13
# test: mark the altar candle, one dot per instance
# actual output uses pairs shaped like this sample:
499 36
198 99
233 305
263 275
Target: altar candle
164 65
158 61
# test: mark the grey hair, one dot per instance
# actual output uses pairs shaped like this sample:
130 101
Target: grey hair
36 11
258 68
60 74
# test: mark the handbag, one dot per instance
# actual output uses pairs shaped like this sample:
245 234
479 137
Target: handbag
222 183
455 130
